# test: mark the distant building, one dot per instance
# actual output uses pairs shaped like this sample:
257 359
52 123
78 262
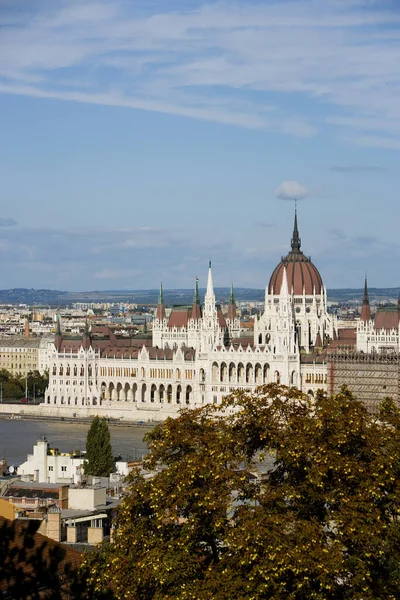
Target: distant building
20 355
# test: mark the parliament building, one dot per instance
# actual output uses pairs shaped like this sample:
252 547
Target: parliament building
197 355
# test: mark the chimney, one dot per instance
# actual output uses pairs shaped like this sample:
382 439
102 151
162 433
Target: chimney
27 333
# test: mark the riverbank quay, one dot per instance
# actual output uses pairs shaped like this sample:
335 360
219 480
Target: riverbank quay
115 416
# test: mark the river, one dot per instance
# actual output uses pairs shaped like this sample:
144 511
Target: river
17 438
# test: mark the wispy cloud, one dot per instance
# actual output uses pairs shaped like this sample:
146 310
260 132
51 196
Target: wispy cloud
358 169
7 222
231 63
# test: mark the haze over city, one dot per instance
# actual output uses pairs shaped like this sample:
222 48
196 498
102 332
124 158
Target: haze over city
141 139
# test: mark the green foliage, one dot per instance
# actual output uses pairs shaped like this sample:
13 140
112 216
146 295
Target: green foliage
14 386
39 381
99 459
271 497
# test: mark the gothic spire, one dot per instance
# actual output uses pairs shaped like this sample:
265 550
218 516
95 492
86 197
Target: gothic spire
196 297
366 309
87 332
365 298
161 295
86 342
296 240
209 299
210 286
58 328
232 306
231 296
196 312
58 335
160 312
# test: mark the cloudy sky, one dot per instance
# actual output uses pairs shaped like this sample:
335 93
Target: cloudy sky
139 138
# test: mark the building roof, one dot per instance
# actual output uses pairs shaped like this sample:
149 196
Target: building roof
387 318
302 275
24 548
20 342
346 338
103 339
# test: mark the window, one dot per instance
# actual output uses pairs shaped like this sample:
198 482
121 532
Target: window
63 469
51 468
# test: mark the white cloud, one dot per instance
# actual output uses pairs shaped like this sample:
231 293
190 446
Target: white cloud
291 190
223 62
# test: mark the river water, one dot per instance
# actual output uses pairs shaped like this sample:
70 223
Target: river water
17 438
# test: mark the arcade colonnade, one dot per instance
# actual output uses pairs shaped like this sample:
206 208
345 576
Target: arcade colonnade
88 379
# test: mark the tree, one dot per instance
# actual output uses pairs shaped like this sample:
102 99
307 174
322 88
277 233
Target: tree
268 496
37 383
99 459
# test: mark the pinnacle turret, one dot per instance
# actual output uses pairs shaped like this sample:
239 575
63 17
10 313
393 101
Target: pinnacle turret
210 286
58 327
296 240
161 295
366 309
209 299
231 305
196 312
160 312
196 297
231 295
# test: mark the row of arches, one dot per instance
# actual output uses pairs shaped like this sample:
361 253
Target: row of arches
241 373
70 401
170 394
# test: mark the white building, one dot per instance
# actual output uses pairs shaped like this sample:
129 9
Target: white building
196 354
50 466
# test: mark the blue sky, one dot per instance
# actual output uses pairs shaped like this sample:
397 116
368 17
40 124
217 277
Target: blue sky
139 138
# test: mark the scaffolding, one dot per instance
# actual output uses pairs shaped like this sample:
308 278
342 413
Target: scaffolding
371 377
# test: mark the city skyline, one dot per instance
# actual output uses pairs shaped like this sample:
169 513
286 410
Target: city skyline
140 141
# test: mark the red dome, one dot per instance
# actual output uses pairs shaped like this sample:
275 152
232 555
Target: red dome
302 275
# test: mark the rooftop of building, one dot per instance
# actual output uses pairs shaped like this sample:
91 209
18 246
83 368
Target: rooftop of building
20 342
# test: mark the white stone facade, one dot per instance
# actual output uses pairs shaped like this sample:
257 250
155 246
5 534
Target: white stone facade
197 355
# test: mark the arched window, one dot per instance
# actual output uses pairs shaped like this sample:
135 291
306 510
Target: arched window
153 392
188 394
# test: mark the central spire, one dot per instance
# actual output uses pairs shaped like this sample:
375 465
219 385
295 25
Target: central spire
296 240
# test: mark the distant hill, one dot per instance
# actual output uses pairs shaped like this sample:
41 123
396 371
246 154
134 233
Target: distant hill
45 297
